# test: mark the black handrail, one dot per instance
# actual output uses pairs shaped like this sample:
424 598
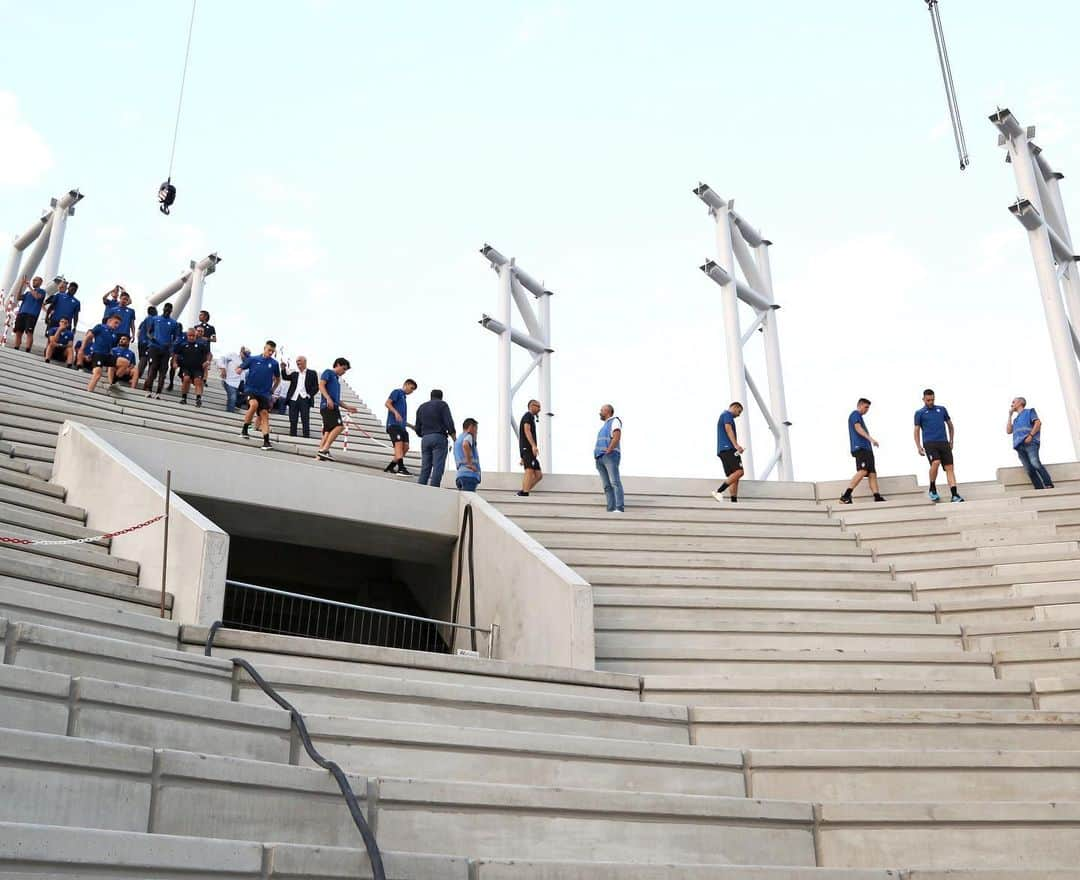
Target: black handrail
467 525
378 872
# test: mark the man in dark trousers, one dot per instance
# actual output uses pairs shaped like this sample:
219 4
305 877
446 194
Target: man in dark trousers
529 448
303 386
434 424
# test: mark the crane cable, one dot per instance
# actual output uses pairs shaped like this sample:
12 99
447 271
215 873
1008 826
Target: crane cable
950 86
167 192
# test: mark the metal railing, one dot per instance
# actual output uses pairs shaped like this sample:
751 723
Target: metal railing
378 872
257 608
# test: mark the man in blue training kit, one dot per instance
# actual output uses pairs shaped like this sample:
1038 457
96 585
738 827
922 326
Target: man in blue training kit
263 376
862 447
123 365
397 412
60 343
143 338
1026 430
163 334
331 406
936 442
29 310
99 343
729 452
118 302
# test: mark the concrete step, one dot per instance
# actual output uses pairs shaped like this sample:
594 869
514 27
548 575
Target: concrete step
554 870
499 706
978 558
843 776
47 570
853 517
59 650
1011 609
44 851
558 542
1021 635
720 587
1025 664
48 523
833 566
102 593
943 526
664 609
20 479
955 665
629 633
540 525
79 613
967 540
74 556
757 513
41 503
883 728
832 692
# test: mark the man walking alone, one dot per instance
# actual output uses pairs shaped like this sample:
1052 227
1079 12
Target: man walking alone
434 424
729 452
529 449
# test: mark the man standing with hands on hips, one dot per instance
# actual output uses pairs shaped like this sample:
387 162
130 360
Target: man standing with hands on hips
608 454
936 443
729 452
1026 430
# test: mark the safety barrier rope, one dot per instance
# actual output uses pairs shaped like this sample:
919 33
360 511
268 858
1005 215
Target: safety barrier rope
9 317
8 539
348 423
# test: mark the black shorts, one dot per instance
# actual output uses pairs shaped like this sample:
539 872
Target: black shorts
25 323
864 460
192 372
331 418
731 460
528 460
59 353
102 360
938 450
158 356
263 401
397 434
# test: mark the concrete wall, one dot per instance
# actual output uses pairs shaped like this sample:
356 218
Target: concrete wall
543 609
117 493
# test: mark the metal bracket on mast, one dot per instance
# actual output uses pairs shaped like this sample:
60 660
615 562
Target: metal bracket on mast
1041 212
741 245
514 286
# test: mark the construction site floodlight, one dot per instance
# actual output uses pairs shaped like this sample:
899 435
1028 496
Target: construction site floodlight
1006 123
494 256
753 298
716 272
524 340
1027 214
708 195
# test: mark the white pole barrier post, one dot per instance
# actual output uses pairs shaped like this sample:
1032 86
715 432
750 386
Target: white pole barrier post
62 209
545 384
773 366
506 276
1029 211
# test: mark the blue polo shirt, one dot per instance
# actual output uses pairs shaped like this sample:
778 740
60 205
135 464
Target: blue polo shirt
31 302
463 473
932 420
261 373
1022 426
163 332
333 388
723 442
62 338
125 353
144 329
857 440
398 399
127 318
104 339
64 305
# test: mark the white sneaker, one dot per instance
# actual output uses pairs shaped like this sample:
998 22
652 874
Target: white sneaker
719 496
618 511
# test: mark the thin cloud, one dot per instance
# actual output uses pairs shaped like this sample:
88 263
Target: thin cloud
293 248
24 154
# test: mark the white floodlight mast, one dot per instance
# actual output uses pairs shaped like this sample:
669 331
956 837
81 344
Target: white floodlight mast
514 286
1041 212
189 286
739 242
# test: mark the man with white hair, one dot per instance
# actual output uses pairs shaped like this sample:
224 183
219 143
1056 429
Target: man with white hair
1025 426
608 455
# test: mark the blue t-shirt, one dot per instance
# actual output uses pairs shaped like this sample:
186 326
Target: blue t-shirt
144 329
31 302
64 305
333 388
127 318
62 337
123 352
858 441
261 373
164 331
1022 426
932 420
397 398
723 442
104 339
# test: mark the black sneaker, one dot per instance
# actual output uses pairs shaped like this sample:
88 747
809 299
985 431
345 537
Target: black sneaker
170 388
198 401
244 431
390 468
183 400
880 498
404 471
845 499
266 445
323 455
523 494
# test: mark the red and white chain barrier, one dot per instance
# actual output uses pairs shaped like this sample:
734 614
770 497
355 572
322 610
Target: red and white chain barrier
9 317
7 539
348 423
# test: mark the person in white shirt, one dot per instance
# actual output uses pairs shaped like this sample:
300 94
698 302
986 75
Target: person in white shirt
303 386
230 379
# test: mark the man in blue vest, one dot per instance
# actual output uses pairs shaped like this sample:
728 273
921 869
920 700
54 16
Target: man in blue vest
467 457
932 422
862 446
1026 428
729 452
608 455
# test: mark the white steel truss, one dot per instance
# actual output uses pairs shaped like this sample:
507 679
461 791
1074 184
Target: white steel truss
740 245
514 284
1041 212
47 237
189 286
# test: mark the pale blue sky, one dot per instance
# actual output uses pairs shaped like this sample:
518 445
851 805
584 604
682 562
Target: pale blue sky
348 160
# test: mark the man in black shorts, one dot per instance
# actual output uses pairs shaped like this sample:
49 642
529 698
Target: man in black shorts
529 448
98 344
397 424
729 452
190 357
862 447
932 422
